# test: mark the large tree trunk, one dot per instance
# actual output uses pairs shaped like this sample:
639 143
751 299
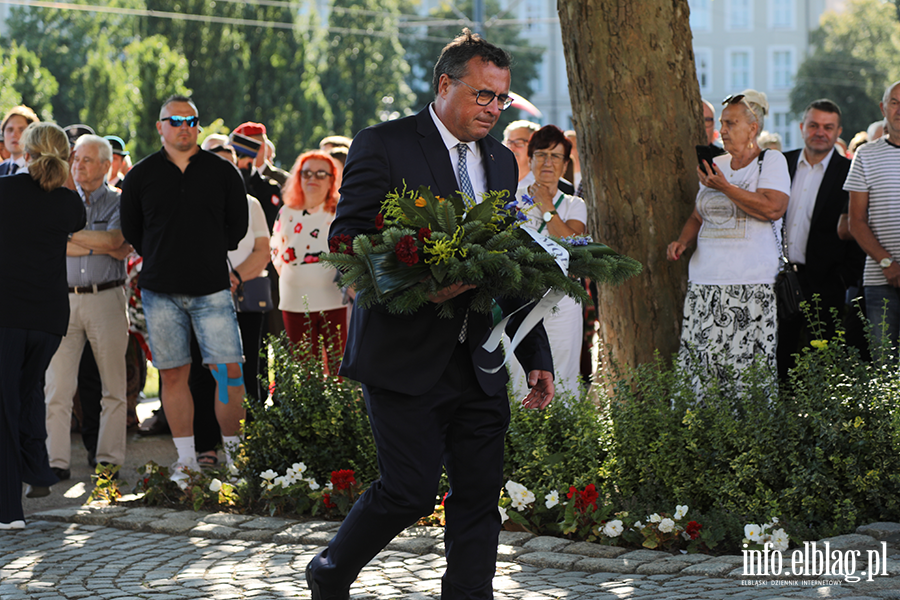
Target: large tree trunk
637 110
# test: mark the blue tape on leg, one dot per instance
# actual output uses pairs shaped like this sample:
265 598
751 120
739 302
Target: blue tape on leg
239 380
221 377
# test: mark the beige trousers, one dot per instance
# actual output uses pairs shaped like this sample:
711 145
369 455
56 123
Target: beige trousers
101 319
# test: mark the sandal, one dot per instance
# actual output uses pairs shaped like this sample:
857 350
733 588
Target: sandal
208 462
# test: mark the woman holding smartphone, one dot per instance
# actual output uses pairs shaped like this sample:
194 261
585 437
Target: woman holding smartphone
730 315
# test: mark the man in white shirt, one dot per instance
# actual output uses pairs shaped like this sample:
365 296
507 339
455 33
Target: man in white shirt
824 263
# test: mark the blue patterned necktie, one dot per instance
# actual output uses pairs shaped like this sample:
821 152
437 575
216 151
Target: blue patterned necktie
465 184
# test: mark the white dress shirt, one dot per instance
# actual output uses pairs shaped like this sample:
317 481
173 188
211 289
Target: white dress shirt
804 189
474 164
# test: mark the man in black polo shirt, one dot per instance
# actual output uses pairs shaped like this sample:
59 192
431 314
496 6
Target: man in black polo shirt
182 209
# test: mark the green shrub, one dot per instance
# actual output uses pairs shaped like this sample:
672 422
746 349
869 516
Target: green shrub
822 456
313 418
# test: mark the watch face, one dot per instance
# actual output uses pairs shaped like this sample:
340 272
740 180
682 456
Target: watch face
548 216
885 263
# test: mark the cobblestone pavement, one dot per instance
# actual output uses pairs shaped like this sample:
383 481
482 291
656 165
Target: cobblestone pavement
94 552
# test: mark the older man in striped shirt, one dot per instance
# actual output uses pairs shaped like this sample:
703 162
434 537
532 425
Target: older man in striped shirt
874 186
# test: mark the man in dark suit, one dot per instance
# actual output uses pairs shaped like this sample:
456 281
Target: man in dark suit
14 124
826 265
429 402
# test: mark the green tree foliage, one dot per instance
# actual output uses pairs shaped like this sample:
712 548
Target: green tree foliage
63 39
423 53
363 65
109 102
853 63
155 72
25 81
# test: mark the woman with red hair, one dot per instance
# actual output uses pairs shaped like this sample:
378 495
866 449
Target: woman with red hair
311 302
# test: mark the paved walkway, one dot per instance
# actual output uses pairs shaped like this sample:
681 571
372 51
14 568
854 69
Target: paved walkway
96 552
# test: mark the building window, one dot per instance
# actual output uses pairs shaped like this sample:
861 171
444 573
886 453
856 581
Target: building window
534 14
701 19
740 15
781 68
703 58
740 70
781 124
781 14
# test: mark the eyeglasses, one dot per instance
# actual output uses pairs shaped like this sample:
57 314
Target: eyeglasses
709 119
485 97
517 143
541 157
179 121
307 174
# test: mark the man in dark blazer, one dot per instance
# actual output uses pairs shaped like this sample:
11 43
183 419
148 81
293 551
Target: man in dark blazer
826 265
429 403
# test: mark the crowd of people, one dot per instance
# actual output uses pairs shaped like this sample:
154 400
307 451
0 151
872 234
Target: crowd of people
825 211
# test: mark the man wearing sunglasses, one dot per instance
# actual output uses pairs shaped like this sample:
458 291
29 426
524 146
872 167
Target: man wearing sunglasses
182 209
430 405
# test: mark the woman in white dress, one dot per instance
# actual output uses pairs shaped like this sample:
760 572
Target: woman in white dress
559 215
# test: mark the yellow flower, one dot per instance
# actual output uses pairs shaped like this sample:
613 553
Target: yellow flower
820 344
420 202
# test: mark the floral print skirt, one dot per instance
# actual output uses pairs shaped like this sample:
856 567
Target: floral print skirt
728 325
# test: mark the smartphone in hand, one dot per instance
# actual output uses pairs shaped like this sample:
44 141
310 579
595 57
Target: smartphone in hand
705 153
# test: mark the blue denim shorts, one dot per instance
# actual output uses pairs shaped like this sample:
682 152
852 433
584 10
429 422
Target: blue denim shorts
169 320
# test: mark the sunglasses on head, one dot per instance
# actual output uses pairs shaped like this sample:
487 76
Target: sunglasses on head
179 121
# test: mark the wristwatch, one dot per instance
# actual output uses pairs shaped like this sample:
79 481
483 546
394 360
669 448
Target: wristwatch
886 262
548 216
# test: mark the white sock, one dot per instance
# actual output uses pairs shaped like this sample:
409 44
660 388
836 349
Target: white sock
231 443
187 452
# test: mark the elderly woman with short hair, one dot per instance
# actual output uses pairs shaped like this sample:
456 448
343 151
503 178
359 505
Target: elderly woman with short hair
730 315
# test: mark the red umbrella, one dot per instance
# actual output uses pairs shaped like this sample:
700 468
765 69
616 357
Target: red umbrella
523 104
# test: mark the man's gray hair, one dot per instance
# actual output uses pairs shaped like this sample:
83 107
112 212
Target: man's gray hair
104 149
521 124
888 90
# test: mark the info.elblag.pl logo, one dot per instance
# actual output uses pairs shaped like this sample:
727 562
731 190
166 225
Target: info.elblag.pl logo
816 561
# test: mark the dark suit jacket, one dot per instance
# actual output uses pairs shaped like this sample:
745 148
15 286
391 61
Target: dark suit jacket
6 166
832 265
408 353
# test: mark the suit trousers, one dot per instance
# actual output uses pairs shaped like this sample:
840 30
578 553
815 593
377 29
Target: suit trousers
457 425
24 356
102 320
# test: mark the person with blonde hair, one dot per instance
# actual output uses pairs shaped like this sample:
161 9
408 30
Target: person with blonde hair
310 300
37 216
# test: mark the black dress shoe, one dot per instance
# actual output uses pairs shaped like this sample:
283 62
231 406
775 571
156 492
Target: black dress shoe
317 593
36 491
63 474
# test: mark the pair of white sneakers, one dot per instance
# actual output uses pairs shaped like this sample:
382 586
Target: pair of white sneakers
13 525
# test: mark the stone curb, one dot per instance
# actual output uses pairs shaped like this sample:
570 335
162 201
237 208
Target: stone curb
542 552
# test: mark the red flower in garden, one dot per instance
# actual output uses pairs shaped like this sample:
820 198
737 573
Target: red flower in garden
289 255
298 227
585 499
693 529
406 250
379 221
424 234
341 243
326 498
343 479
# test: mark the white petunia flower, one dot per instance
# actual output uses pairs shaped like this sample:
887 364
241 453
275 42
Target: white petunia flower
654 518
312 484
613 528
552 499
752 532
503 516
299 467
268 475
780 540
638 525
281 481
666 525
680 511
215 485
232 469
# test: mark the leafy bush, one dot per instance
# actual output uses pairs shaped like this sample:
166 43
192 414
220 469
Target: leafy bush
823 455
312 418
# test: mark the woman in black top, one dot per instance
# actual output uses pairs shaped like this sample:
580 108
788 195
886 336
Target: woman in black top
36 217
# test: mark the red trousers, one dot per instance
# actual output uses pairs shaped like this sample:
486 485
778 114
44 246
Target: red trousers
324 333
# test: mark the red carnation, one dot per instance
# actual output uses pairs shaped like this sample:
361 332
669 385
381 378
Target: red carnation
585 499
379 221
693 529
406 250
326 498
343 479
341 243
424 234
289 255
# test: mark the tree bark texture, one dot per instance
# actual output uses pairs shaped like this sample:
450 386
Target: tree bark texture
638 115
